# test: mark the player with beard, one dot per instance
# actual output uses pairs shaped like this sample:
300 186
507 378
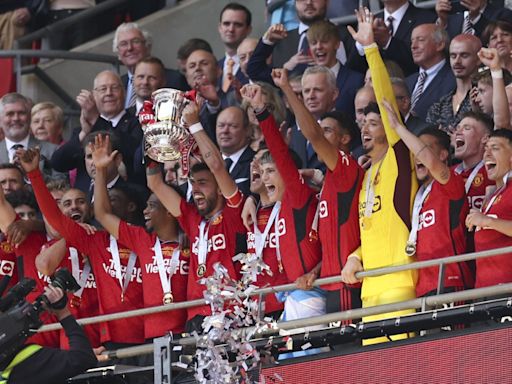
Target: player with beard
300 253
212 223
262 232
493 222
439 212
115 267
386 196
337 220
164 264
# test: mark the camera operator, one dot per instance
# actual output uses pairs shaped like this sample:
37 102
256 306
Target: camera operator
36 364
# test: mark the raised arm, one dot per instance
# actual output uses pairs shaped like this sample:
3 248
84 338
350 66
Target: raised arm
501 111
7 213
211 154
438 169
308 124
50 257
380 77
102 157
170 199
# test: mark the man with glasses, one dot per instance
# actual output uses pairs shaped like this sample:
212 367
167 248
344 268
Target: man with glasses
132 44
102 110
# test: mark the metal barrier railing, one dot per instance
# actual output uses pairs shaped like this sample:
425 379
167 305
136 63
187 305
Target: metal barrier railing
288 287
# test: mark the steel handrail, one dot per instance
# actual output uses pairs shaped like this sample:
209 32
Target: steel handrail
289 287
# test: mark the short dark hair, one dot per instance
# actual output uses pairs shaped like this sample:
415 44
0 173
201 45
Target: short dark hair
371 107
153 60
346 123
489 29
22 197
237 7
443 139
115 142
192 45
12 166
481 117
198 167
504 133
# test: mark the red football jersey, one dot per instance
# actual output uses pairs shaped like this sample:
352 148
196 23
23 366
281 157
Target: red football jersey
338 221
442 233
476 193
88 303
226 238
298 207
269 255
142 243
26 254
496 269
97 249
8 268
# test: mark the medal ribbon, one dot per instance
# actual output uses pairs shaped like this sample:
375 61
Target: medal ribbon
370 190
75 271
114 251
165 279
497 193
203 239
261 237
419 199
471 176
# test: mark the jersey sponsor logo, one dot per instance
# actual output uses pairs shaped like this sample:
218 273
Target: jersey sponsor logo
322 210
215 243
6 267
43 277
476 201
270 241
281 227
111 271
427 219
153 267
376 206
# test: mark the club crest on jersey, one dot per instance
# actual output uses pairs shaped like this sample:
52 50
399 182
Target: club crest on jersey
6 247
478 180
6 268
427 219
322 209
217 220
124 253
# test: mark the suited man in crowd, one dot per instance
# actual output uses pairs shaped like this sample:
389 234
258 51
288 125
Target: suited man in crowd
234 27
101 110
469 16
132 44
233 138
15 123
319 92
434 79
149 76
290 49
392 30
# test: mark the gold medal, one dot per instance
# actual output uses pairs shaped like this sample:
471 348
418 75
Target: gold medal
168 298
367 223
201 270
313 235
410 248
75 301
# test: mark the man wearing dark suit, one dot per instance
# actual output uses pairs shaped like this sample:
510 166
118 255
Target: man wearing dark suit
392 30
132 44
472 16
233 137
290 49
320 93
15 122
102 110
403 101
149 76
234 27
435 77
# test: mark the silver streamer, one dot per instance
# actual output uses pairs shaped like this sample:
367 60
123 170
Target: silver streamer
224 353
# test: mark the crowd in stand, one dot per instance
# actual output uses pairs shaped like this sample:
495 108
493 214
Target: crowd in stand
325 150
